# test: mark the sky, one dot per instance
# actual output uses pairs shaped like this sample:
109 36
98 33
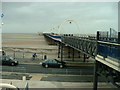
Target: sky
34 17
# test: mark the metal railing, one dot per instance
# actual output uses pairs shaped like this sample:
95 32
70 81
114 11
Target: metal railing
87 46
90 45
109 49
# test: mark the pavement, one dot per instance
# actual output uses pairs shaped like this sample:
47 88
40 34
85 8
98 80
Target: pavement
38 81
54 84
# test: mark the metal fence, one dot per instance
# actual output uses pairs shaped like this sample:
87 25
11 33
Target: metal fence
108 44
109 36
20 54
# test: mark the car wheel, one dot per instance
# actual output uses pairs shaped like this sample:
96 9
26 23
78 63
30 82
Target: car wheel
12 64
61 66
46 66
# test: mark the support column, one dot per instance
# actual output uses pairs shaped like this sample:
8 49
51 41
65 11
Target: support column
73 54
95 82
84 58
78 54
68 52
61 52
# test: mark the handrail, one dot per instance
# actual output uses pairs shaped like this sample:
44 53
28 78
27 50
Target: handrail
108 43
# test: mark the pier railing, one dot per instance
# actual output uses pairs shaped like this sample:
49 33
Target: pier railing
103 45
93 47
85 45
108 44
106 49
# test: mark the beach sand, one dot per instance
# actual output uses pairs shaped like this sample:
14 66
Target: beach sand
27 43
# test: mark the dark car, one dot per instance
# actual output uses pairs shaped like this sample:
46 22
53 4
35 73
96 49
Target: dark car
7 60
53 63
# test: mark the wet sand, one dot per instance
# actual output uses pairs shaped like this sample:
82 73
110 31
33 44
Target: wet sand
25 40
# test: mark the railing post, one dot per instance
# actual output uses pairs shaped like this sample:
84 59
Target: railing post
98 35
110 33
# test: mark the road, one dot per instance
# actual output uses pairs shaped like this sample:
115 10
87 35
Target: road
67 74
37 68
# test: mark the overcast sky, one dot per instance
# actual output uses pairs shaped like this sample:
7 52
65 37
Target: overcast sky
33 17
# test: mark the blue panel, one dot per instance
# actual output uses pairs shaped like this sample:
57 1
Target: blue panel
54 36
106 50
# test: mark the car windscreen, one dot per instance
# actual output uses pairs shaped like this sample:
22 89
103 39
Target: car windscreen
10 58
7 58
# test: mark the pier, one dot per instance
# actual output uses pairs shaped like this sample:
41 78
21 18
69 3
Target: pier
104 49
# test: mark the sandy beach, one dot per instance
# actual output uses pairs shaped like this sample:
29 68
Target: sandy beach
27 43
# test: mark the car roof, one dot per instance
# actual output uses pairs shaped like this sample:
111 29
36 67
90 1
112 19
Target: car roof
51 60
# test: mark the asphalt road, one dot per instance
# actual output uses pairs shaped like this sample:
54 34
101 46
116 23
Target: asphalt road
37 68
67 74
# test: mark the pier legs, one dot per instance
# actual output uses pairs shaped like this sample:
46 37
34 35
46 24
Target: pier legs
68 52
61 52
73 54
84 58
78 54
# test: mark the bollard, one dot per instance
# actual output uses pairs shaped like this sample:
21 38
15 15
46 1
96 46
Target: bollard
26 87
24 78
45 57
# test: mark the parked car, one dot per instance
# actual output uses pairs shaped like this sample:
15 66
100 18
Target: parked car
52 63
7 60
